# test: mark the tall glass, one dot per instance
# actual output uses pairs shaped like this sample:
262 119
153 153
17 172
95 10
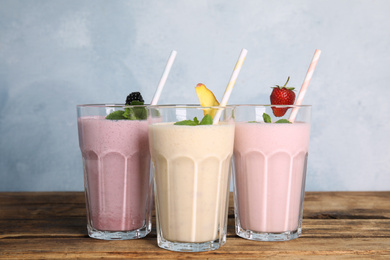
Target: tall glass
191 169
270 162
117 176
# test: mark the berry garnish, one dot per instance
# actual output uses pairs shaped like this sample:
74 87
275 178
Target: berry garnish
134 96
282 96
138 112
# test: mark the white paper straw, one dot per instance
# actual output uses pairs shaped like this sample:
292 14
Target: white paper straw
164 77
305 84
230 85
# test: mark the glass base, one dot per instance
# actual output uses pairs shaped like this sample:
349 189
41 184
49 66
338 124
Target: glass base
118 235
265 236
191 246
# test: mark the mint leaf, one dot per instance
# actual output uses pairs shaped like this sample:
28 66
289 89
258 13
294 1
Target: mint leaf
136 113
139 112
186 122
283 121
136 103
207 120
155 113
116 115
266 118
129 114
196 120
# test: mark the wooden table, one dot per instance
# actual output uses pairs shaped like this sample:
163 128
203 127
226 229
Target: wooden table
52 225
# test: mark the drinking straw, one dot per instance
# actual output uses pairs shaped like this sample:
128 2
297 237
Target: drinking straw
164 77
305 84
230 85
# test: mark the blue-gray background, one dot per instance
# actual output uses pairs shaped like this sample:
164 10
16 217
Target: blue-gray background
56 54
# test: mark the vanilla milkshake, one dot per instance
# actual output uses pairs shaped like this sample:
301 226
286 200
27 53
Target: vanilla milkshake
192 174
117 176
270 170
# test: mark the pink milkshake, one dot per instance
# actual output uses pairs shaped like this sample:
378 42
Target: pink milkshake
270 169
117 176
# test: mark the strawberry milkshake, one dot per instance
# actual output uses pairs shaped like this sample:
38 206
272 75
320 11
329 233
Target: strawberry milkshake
269 174
117 176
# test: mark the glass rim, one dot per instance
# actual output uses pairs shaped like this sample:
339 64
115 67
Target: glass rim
189 106
269 105
109 105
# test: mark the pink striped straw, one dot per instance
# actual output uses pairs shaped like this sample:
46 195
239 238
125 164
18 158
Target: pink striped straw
305 84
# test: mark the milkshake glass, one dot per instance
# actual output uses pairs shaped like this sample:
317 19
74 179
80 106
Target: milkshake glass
270 161
191 172
117 176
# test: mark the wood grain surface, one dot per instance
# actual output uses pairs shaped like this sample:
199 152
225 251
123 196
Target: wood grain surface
336 225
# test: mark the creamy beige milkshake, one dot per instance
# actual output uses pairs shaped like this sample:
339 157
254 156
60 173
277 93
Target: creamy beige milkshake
192 171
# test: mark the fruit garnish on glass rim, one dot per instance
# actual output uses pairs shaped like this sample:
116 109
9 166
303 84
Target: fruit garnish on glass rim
282 95
206 99
136 113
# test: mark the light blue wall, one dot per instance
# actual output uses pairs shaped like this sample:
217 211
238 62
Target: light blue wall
56 54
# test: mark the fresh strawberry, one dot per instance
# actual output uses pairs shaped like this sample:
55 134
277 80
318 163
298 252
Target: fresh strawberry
282 96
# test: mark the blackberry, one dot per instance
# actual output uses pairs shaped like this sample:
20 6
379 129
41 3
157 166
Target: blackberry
134 96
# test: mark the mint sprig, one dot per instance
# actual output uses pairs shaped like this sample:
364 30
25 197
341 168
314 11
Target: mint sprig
267 119
116 115
283 121
188 122
207 120
130 113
